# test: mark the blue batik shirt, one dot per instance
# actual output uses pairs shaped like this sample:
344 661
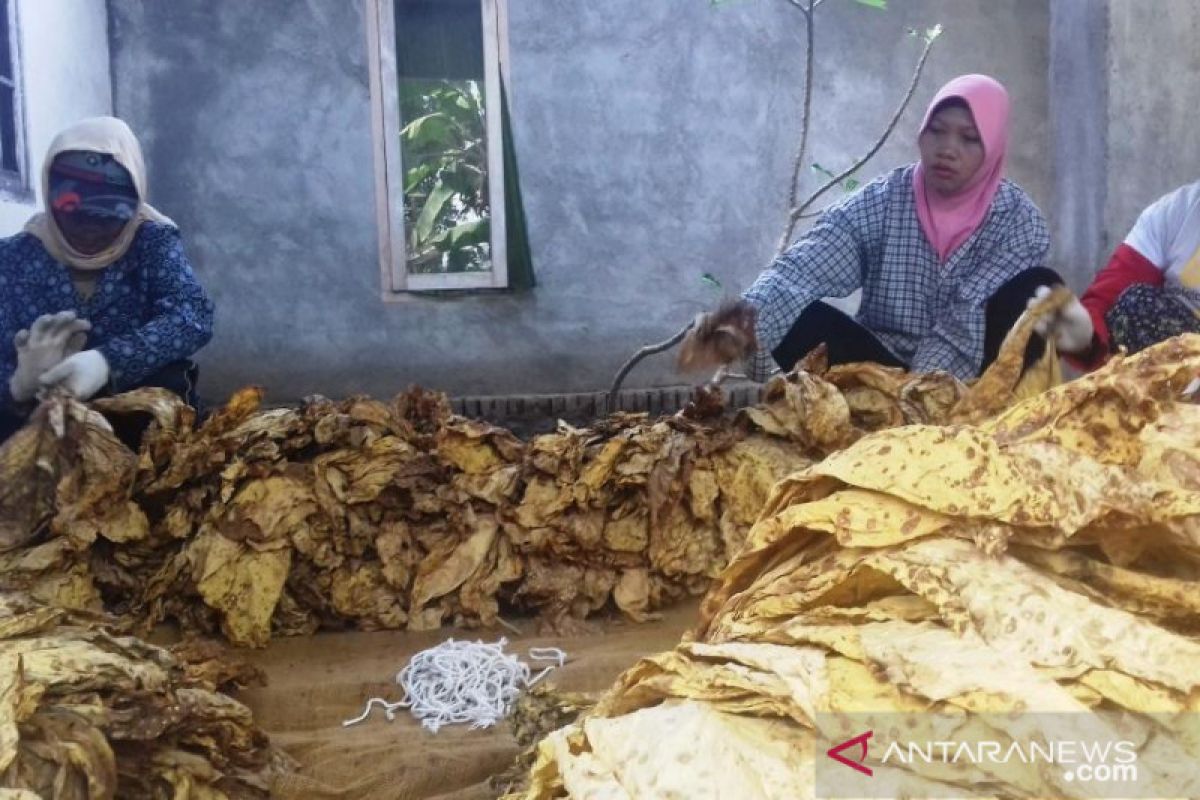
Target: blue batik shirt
147 309
930 315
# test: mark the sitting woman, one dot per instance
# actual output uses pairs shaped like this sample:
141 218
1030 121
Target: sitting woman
947 253
98 295
1150 289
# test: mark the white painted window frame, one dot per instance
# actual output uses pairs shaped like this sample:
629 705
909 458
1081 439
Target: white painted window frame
389 170
15 185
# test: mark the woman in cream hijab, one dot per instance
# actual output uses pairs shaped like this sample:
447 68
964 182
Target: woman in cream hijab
96 294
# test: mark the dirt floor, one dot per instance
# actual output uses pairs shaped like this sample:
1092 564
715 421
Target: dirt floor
316 682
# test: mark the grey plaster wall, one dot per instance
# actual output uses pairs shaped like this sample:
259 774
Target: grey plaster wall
1154 94
655 139
1080 129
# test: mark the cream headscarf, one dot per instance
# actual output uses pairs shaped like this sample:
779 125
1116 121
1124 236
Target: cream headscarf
113 137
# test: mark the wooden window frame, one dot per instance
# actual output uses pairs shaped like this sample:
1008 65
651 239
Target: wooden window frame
14 185
396 281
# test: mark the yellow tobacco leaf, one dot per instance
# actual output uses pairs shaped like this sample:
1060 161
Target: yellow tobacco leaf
446 569
242 583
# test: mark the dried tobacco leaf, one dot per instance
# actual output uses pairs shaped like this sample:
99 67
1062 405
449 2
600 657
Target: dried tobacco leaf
84 714
1039 561
370 514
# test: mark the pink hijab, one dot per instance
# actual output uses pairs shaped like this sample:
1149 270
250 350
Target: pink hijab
949 221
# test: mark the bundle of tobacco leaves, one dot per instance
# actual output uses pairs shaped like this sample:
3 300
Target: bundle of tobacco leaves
88 714
1030 579
371 514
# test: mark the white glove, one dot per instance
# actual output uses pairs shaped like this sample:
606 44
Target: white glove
82 374
1071 325
50 339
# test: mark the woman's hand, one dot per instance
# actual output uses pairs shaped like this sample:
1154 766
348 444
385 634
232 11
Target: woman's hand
720 337
82 374
1071 326
50 339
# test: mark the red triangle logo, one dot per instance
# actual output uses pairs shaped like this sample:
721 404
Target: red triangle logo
861 740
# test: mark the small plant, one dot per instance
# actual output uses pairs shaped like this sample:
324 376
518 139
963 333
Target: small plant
444 152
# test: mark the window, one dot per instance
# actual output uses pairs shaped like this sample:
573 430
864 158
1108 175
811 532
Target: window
12 135
445 174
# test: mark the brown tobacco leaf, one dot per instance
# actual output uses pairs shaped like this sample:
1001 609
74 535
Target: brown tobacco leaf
375 515
361 513
706 403
84 714
66 468
815 361
997 388
806 409
930 398
209 663
872 393
722 337
538 712
28 476
241 581
171 418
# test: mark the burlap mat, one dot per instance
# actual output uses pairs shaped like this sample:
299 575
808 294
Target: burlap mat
317 682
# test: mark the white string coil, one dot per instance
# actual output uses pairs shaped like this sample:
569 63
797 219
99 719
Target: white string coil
463 682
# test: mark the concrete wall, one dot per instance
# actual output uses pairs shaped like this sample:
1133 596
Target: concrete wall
63 55
1079 120
1124 94
1154 94
655 141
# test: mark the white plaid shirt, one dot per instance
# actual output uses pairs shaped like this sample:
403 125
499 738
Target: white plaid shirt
930 315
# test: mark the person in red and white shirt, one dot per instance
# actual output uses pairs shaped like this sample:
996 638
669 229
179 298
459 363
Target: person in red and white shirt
1150 289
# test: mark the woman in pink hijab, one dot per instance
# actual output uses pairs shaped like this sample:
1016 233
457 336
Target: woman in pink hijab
947 253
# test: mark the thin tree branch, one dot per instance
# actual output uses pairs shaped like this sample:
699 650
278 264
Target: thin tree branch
726 373
805 121
648 350
806 9
798 211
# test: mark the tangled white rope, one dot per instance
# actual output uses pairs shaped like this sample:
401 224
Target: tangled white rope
458 682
